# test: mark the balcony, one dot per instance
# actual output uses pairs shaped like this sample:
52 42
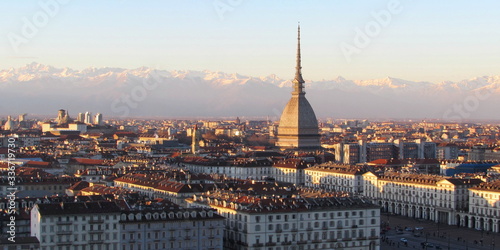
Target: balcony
362 238
187 238
294 230
64 223
270 244
285 243
324 228
171 239
96 231
309 229
316 241
241 243
64 232
347 239
96 241
98 221
131 241
279 230
64 243
373 237
332 240
302 242
258 245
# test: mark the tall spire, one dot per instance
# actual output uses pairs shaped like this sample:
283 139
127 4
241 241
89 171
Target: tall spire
298 87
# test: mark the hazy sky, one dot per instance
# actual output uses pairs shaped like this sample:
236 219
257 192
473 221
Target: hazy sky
418 40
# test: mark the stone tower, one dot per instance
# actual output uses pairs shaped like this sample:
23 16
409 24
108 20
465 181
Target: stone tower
298 127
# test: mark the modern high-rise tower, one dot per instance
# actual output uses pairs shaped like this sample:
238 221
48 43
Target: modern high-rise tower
298 126
88 118
98 119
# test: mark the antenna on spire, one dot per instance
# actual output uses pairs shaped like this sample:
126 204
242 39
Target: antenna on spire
298 81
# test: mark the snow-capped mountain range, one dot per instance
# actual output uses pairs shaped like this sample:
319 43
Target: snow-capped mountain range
117 92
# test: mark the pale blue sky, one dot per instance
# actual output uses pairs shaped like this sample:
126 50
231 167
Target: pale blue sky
425 41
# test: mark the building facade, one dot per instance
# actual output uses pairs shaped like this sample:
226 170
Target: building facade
78 225
335 177
484 208
281 221
183 229
422 196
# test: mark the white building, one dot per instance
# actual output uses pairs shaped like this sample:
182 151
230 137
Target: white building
88 118
429 197
119 225
182 229
76 225
290 171
98 119
56 129
244 169
484 208
275 219
335 177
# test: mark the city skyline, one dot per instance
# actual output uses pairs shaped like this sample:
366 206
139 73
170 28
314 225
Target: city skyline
410 40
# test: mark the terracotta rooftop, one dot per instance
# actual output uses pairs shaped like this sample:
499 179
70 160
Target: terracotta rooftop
488 186
86 161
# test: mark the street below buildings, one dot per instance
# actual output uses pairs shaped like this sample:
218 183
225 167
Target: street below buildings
437 236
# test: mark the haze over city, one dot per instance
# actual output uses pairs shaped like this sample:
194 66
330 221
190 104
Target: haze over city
249 125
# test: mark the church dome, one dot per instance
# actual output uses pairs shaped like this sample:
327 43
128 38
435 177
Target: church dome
298 117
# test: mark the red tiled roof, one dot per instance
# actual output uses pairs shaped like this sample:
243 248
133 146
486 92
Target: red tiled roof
79 185
86 161
32 172
385 162
126 133
38 164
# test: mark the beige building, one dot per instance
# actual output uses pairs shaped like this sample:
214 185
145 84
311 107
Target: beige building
429 197
484 208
